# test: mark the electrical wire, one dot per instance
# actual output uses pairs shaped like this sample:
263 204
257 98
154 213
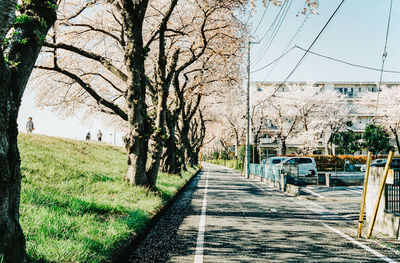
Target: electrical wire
309 48
262 17
346 62
273 22
384 55
270 27
290 42
269 64
275 31
327 57
272 37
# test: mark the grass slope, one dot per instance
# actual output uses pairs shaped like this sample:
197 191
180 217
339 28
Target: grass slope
75 205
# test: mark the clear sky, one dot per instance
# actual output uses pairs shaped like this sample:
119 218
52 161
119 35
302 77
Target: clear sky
356 34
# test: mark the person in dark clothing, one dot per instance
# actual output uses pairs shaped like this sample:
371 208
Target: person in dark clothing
99 136
29 125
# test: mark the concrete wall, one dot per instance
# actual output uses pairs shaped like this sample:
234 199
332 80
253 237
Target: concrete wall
385 223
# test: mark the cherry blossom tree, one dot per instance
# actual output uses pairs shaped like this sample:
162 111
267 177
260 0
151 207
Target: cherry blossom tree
322 113
122 59
21 36
386 112
299 114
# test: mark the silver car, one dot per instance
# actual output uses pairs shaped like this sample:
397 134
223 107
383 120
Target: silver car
373 163
306 166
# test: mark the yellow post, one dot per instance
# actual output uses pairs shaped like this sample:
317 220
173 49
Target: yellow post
366 176
200 158
385 174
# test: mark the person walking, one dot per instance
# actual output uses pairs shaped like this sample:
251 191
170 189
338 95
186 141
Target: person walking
99 136
29 125
88 136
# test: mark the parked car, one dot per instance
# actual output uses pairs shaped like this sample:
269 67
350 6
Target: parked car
274 160
306 165
373 164
394 164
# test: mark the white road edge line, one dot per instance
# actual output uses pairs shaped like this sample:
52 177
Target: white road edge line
355 191
312 192
365 247
376 242
198 258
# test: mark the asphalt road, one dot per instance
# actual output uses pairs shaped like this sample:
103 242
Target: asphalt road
223 217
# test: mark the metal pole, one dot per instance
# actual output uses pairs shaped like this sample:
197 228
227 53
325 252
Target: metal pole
247 171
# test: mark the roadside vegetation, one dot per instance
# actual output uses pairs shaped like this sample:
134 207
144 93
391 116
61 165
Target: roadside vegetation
75 204
227 163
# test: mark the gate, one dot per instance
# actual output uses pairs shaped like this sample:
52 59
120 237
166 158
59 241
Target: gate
392 194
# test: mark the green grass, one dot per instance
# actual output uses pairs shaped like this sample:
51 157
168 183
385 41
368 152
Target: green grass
227 163
75 205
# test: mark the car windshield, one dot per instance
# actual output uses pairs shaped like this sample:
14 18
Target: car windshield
275 161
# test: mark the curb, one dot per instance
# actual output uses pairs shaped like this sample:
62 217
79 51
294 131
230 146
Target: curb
122 253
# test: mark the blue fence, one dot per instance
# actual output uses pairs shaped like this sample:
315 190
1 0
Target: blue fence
270 172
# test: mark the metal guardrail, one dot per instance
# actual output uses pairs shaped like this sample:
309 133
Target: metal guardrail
268 172
392 194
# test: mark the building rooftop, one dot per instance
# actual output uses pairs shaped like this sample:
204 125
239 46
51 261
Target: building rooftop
328 82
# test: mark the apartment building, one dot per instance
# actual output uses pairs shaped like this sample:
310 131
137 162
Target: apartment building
352 91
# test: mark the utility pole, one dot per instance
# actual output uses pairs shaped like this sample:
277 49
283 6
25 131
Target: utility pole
247 173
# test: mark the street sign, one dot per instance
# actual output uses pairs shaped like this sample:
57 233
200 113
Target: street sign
390 178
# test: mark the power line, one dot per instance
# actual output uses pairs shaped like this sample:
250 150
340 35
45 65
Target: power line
271 26
290 42
262 17
312 44
384 55
346 62
269 64
275 31
272 37
327 57
273 22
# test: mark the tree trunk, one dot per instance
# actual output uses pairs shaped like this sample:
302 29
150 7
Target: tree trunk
157 143
7 16
13 79
171 163
137 157
12 241
194 156
182 157
139 126
396 136
283 147
163 78
185 146
137 139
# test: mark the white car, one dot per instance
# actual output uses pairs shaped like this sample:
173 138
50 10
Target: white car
274 160
306 165
373 163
